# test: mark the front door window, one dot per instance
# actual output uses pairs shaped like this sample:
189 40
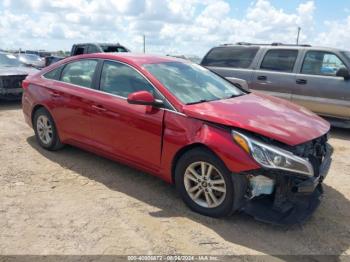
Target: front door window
321 63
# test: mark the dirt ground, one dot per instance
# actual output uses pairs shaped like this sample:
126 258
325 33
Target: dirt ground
74 202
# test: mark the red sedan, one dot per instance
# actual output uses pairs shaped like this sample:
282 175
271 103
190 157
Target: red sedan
226 149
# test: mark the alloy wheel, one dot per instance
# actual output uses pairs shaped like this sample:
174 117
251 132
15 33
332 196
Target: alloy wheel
205 184
44 128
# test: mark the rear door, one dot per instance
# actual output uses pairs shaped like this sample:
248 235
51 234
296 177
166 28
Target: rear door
71 104
131 132
275 74
318 88
232 61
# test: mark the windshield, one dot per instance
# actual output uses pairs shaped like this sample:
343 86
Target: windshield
9 60
192 83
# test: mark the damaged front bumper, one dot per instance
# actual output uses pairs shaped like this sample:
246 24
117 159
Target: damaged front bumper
293 199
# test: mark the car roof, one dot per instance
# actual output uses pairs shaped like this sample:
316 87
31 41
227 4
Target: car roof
93 43
282 46
134 58
7 53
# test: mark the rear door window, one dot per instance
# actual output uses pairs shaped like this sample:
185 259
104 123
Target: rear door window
235 56
279 60
79 73
321 63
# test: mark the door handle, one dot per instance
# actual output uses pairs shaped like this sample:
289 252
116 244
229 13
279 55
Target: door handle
55 94
301 81
99 108
262 78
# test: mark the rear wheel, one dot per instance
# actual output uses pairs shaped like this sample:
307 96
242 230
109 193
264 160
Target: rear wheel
206 185
45 130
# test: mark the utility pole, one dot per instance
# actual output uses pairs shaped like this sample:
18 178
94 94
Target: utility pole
299 28
144 43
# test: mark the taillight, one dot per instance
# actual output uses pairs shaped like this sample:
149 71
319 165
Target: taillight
25 84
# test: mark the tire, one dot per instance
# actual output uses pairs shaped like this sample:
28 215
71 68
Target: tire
49 138
227 202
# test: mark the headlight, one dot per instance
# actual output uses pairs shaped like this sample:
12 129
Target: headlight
273 157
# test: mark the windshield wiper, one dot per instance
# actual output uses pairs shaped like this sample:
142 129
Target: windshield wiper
232 96
197 102
205 100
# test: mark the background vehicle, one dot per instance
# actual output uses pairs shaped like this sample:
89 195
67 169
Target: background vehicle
314 77
32 60
40 53
89 48
12 72
224 148
192 58
52 59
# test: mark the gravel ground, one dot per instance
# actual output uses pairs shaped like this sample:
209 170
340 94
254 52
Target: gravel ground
74 202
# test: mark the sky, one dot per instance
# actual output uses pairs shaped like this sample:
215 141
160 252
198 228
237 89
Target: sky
189 27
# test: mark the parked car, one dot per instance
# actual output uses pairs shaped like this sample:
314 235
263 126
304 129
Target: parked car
224 148
32 60
317 78
40 53
52 59
90 48
192 58
12 72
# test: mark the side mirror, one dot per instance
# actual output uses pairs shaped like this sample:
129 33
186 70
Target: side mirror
343 72
143 98
240 83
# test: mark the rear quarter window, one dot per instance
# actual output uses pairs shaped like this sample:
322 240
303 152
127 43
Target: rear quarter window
54 74
237 56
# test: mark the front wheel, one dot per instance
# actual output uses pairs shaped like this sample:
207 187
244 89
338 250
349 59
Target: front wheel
206 185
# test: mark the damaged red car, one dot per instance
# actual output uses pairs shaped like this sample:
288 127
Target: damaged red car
227 150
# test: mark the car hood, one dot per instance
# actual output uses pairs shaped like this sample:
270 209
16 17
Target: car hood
268 116
9 71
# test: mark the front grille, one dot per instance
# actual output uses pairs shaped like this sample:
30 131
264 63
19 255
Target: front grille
9 82
314 150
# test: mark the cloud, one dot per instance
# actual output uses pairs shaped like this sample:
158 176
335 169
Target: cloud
170 26
262 22
336 34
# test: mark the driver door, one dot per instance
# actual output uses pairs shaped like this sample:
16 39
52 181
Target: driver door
319 89
130 132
